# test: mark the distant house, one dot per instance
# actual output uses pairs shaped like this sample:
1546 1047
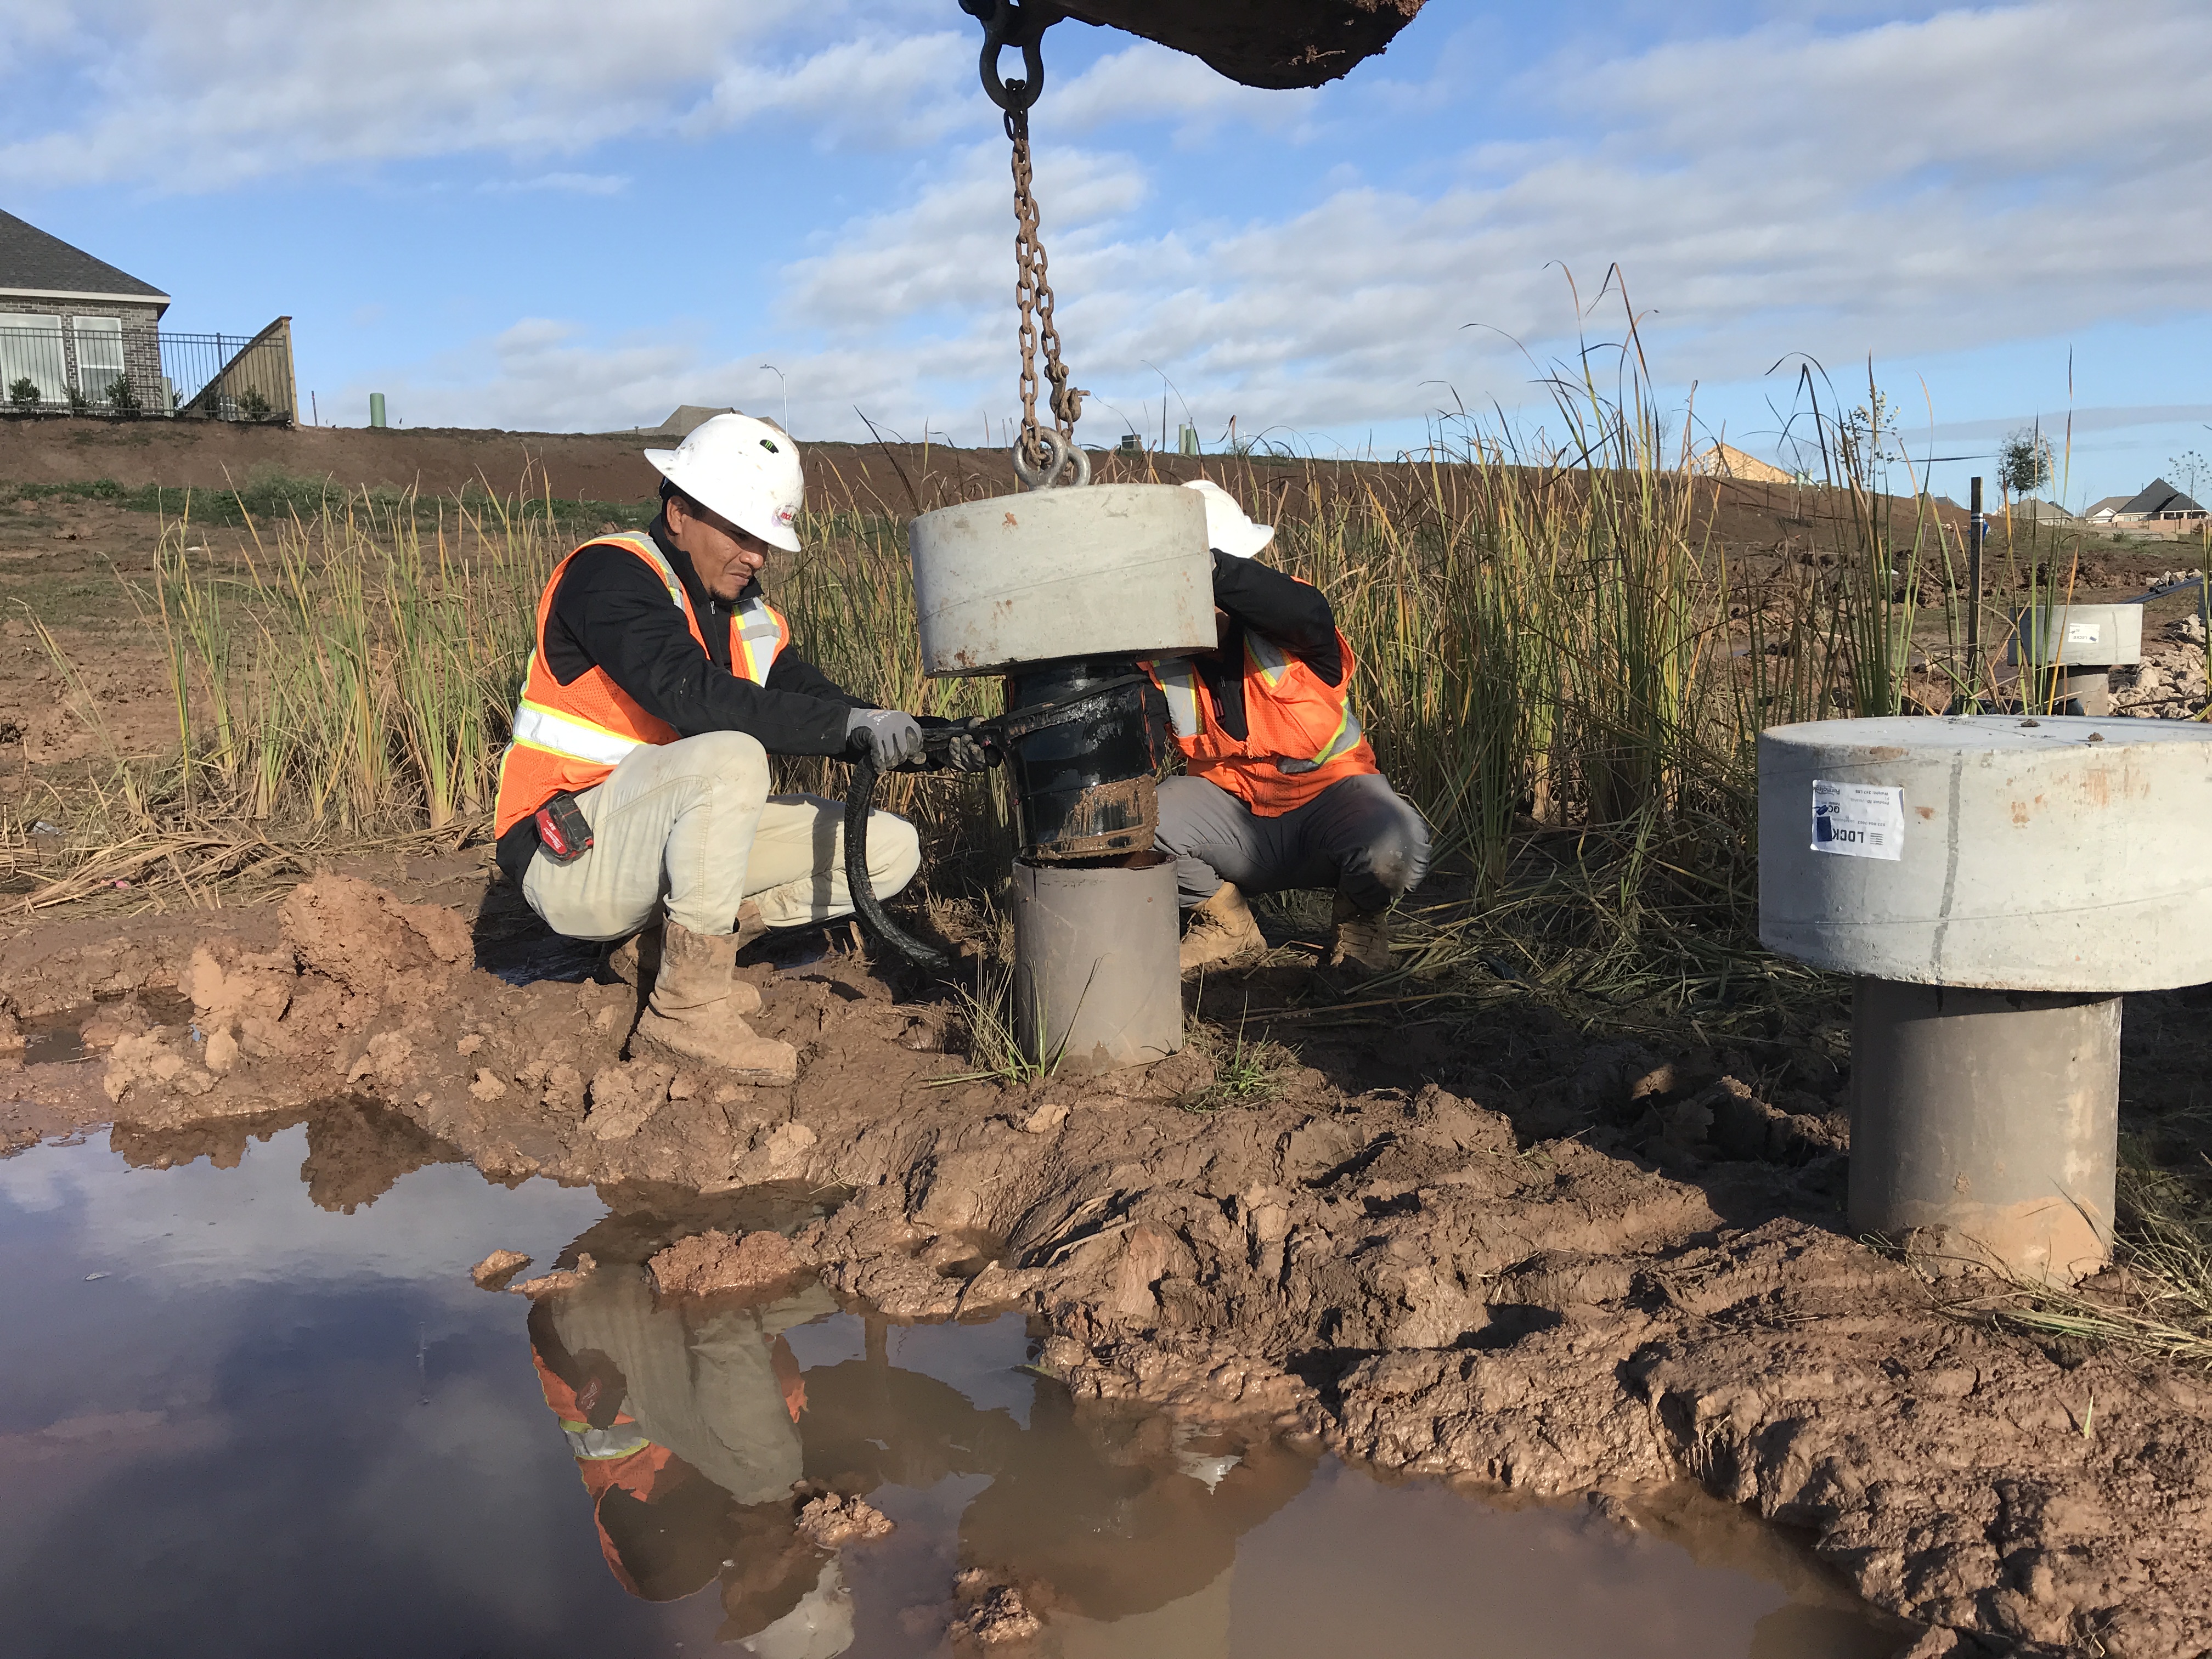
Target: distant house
78 329
2106 511
77 334
2029 509
2161 502
1726 461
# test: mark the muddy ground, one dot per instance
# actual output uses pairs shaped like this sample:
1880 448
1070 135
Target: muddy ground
1493 1245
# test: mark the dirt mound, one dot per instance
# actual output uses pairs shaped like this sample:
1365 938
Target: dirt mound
1496 1248
714 1261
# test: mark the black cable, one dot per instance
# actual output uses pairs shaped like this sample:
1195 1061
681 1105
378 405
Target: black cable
860 802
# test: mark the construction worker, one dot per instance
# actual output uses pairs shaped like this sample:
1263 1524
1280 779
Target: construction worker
1282 789
637 782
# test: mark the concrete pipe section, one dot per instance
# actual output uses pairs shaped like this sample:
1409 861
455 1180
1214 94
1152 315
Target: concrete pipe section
2072 649
1096 982
1995 883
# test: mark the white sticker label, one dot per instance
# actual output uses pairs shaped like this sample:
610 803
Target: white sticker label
2084 633
1858 820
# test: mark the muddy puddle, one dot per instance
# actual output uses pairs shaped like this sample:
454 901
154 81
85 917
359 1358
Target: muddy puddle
234 1422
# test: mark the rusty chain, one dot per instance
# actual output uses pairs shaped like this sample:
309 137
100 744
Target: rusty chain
1033 300
1041 457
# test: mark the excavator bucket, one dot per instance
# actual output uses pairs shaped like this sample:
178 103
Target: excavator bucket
1262 43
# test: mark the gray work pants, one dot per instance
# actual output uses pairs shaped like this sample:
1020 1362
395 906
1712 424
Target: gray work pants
1359 838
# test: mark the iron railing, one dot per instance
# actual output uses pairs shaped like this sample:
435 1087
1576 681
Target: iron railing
93 366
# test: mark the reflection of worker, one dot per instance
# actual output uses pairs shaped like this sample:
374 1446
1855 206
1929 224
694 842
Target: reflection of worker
661 683
1282 789
684 1426
691 1424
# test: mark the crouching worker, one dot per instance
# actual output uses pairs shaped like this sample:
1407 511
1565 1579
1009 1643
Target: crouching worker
1282 789
637 782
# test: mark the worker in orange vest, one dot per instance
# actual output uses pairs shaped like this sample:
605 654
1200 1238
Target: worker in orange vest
1280 788
635 795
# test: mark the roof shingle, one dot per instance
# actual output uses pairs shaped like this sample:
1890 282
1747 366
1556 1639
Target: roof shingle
33 261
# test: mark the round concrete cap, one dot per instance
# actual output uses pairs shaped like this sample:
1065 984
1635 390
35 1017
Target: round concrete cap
2083 636
2046 854
1101 570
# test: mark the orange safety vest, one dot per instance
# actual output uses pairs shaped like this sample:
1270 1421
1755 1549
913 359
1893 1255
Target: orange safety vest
568 738
1301 735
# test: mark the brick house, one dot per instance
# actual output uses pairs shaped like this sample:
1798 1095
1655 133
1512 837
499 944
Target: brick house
70 324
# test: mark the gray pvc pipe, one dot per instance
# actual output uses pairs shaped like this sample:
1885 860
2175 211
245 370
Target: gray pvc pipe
1991 1119
1096 982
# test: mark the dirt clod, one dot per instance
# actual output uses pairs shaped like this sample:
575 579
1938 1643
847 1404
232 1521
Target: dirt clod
830 1521
494 1270
993 1614
564 1278
716 1260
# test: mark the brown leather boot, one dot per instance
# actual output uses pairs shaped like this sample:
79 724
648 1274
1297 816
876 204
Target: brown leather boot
693 1013
1359 940
636 961
1223 932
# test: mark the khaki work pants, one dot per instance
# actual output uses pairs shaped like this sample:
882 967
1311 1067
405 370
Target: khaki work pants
690 825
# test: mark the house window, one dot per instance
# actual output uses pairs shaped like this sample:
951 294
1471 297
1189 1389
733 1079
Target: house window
31 350
99 355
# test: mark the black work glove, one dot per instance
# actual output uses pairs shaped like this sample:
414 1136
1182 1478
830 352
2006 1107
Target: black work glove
894 739
968 748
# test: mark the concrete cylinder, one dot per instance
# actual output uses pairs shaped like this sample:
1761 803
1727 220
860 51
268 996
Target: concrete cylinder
1096 983
1108 570
1988 1122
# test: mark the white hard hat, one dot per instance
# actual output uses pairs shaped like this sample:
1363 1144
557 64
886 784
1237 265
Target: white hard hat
1226 525
744 469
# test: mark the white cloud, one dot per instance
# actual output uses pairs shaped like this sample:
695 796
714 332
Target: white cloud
573 183
205 95
1843 177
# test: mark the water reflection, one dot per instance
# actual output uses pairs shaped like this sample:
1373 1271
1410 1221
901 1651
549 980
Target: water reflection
235 1423
697 1437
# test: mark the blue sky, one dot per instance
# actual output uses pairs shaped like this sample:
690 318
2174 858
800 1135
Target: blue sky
556 215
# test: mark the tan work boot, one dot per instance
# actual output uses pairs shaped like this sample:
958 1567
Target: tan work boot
693 1015
1359 940
636 961
1223 932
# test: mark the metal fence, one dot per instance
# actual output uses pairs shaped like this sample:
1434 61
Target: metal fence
112 366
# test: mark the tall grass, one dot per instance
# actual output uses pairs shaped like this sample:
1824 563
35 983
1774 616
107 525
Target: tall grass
1556 663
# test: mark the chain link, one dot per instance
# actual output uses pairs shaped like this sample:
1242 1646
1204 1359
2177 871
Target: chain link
1033 300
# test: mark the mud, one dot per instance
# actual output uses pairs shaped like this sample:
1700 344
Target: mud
707 1263
1497 1249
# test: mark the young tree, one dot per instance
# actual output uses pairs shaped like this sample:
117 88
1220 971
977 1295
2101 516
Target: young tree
2024 462
2186 471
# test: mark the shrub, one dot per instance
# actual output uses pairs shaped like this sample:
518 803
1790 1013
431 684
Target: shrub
252 406
23 392
122 398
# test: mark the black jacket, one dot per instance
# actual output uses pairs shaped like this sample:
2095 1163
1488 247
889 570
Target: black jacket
612 611
1293 614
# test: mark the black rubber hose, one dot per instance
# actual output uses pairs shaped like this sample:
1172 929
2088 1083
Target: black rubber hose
860 802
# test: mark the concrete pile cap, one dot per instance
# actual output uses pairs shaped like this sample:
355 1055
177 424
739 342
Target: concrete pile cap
2084 637
1104 570
2050 853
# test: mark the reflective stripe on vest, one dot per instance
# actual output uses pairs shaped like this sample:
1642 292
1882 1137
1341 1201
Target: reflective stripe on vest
590 1445
757 637
538 727
1178 684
